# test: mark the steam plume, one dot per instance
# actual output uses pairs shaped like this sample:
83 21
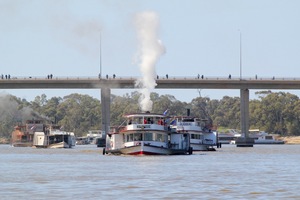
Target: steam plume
150 50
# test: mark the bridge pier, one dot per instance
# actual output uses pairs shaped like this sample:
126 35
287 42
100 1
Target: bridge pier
244 141
105 110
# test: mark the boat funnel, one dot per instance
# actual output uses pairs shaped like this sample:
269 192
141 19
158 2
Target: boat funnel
188 112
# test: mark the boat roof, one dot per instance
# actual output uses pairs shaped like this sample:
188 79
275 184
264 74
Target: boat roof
254 130
145 115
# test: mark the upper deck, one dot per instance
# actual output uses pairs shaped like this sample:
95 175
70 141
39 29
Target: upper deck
188 124
144 121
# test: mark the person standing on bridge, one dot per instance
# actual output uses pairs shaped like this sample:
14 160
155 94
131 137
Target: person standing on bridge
167 76
106 76
114 76
229 76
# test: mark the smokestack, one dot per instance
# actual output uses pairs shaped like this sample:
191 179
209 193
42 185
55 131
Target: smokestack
188 112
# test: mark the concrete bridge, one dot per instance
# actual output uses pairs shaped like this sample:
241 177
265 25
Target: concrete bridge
106 84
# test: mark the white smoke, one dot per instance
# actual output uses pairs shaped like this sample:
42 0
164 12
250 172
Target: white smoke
149 51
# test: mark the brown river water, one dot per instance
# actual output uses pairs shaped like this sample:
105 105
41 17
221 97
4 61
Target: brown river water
261 172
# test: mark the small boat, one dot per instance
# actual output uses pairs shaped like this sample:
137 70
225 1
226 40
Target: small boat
202 137
54 137
265 138
146 134
259 137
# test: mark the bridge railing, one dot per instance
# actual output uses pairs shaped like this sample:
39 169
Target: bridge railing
159 78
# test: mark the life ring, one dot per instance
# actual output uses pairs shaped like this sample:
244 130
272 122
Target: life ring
137 144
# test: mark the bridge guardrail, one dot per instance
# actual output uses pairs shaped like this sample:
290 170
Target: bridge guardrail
136 77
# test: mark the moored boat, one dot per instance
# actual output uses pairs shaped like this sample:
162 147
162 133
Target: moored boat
23 135
265 138
54 137
146 134
202 136
260 137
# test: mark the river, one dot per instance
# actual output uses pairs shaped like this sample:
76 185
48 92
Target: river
261 172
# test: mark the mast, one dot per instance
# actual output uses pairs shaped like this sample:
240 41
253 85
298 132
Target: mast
100 58
240 55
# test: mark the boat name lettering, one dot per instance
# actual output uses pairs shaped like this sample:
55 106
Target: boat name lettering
143 126
185 123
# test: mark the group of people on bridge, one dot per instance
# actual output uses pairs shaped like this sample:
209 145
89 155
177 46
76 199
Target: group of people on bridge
6 76
50 76
99 76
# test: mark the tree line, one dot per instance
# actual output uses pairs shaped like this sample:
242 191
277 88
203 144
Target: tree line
273 112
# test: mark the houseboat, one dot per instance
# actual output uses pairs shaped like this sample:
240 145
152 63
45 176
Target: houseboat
202 136
23 135
54 137
261 137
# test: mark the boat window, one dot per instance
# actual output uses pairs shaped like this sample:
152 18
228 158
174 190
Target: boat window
148 137
195 136
158 120
149 120
135 121
161 137
129 138
188 120
138 136
157 137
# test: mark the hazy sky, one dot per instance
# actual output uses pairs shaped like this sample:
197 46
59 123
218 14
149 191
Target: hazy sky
62 37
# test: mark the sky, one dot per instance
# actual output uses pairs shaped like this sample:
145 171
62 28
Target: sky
62 37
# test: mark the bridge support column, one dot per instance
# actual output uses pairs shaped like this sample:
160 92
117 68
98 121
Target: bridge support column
244 141
105 109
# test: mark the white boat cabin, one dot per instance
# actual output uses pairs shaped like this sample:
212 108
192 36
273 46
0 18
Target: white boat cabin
146 132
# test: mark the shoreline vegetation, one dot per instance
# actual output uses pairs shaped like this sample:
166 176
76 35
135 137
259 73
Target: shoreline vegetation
287 140
275 113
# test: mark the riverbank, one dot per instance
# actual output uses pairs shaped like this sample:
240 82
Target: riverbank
290 139
4 141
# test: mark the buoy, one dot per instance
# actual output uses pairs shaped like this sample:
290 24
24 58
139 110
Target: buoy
103 152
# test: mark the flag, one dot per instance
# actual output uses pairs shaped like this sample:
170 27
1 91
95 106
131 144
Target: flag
173 122
166 112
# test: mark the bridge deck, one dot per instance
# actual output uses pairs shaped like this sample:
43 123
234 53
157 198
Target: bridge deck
162 83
